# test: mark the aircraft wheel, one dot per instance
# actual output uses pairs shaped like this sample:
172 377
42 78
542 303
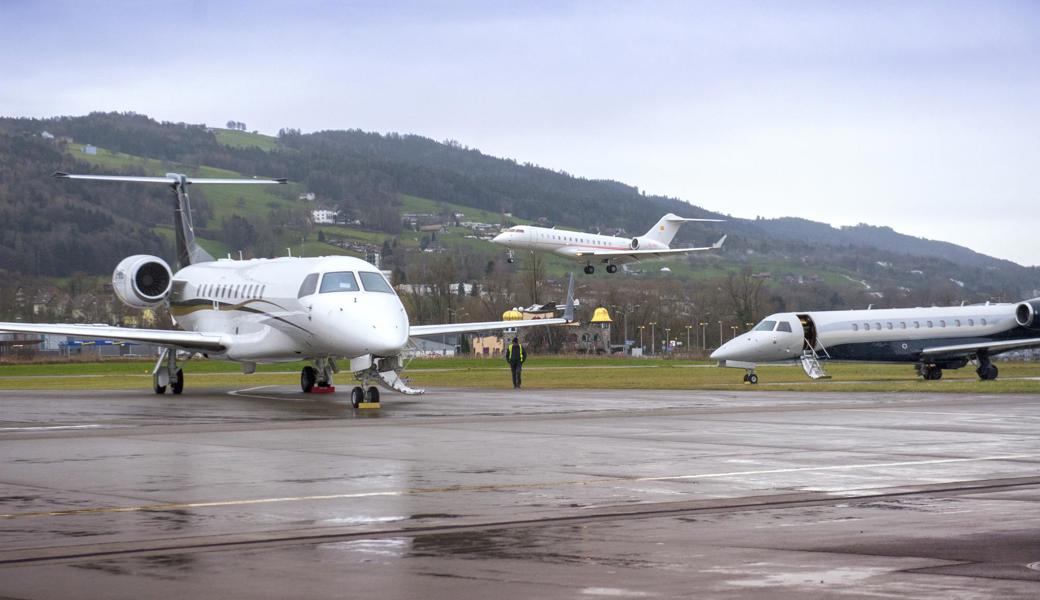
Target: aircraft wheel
308 377
933 374
589 269
611 268
372 395
752 379
357 396
159 389
178 386
987 373
745 378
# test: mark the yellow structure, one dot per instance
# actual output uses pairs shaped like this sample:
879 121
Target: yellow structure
600 315
512 315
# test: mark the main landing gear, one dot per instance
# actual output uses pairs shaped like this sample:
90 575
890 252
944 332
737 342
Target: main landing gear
987 371
589 269
167 374
929 372
750 377
318 379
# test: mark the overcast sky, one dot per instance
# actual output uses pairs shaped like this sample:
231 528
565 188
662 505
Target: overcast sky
917 115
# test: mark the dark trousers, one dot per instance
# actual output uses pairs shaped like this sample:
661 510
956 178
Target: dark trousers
515 368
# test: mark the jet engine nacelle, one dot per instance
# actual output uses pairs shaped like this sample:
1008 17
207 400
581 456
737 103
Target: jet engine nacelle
635 243
142 281
1027 314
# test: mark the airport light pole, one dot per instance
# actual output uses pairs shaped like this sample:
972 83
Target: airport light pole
667 337
689 348
720 333
704 336
653 339
734 328
641 328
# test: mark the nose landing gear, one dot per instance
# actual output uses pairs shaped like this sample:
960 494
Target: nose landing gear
750 377
509 256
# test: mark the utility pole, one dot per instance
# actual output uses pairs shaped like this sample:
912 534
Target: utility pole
641 328
704 336
689 348
653 339
720 333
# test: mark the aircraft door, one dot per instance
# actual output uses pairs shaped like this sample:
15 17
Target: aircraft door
808 330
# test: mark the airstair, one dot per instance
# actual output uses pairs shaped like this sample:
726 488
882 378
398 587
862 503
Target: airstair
811 364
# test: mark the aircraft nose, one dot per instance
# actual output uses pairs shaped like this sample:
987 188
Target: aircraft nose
723 352
389 332
499 238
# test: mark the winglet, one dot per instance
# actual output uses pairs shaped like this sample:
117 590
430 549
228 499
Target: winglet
61 174
568 311
719 243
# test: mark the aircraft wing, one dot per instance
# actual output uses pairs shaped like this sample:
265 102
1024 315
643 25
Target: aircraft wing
972 348
568 317
623 256
186 340
482 326
168 179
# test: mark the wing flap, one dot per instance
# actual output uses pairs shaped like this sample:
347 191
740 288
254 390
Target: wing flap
187 340
965 348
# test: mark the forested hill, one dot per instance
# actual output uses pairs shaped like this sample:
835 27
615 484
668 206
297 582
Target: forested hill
52 228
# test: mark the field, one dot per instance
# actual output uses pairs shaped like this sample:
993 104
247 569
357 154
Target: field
541 372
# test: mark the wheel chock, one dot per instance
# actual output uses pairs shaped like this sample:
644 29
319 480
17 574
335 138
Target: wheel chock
323 389
369 405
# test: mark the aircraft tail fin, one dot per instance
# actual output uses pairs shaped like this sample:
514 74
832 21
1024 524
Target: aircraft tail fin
666 228
189 252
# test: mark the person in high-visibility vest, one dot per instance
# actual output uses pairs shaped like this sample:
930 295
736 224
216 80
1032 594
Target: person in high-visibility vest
515 356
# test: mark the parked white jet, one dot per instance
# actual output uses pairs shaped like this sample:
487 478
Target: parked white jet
604 249
267 310
934 338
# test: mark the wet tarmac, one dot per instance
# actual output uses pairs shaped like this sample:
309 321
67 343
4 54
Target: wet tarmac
532 494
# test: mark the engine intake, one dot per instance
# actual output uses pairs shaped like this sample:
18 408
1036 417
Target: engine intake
1027 314
142 281
635 243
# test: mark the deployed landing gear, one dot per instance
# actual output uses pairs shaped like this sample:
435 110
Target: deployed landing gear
167 373
357 396
589 269
611 268
308 377
372 394
750 377
318 377
929 372
987 371
509 257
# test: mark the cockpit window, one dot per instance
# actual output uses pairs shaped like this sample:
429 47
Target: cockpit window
374 282
784 326
765 326
343 281
309 285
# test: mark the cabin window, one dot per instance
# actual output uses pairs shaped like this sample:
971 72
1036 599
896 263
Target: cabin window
866 327
342 281
309 285
765 326
929 324
917 324
957 323
982 322
971 322
877 325
889 325
375 282
784 326
855 327
902 324
942 323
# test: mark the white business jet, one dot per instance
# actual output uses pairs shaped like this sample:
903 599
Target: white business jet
934 338
608 250
267 310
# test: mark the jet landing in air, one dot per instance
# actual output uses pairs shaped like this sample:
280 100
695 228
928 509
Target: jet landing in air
933 338
321 310
607 250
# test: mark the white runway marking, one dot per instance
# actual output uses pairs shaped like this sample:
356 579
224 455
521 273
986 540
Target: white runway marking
49 427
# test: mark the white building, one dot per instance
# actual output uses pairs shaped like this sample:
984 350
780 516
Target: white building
323 216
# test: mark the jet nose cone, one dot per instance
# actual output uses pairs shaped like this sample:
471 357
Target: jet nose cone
499 238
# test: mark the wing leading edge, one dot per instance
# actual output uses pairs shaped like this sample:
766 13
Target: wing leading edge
185 340
972 348
637 255
568 317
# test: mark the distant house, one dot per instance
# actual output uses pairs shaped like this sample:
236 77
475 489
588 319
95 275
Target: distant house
309 196
324 216
91 150
47 135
